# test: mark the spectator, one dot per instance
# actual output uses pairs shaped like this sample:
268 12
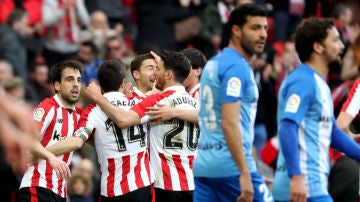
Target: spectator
99 31
39 81
13 49
63 20
79 187
88 55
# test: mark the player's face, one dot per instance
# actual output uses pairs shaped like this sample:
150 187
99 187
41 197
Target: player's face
193 78
70 85
254 34
160 76
333 46
146 76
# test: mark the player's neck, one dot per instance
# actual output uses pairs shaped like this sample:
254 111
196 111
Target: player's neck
236 45
190 87
65 103
143 89
319 66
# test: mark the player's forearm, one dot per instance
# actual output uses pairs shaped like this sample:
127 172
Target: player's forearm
234 142
113 112
39 150
343 122
290 146
120 117
66 146
187 115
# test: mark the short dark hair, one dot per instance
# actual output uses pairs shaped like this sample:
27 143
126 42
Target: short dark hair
240 14
196 57
138 60
92 46
111 74
178 63
57 70
15 16
313 30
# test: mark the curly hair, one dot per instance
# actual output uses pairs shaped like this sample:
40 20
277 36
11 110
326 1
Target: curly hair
313 30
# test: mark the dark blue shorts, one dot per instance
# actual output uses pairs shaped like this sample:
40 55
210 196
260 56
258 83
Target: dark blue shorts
225 189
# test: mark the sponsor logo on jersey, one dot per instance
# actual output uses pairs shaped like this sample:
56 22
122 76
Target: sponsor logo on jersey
233 87
293 103
38 114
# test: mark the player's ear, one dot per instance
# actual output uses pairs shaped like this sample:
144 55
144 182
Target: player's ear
318 47
236 31
136 74
198 72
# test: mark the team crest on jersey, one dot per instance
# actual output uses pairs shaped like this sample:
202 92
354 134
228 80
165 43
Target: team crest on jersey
293 103
38 114
233 87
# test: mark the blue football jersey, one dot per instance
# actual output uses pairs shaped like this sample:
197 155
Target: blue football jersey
305 98
226 78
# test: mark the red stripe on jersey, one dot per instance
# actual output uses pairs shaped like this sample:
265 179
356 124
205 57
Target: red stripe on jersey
166 172
61 182
181 172
350 97
111 178
147 165
191 160
150 101
64 131
48 176
34 183
49 130
126 170
137 170
33 194
75 119
85 114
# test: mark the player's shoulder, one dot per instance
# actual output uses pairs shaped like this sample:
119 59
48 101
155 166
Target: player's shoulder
43 108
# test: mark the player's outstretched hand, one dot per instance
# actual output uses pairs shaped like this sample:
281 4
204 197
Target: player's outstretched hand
128 90
247 189
60 167
93 91
160 112
298 190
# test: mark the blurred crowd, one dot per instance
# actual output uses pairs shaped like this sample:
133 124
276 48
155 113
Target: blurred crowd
36 34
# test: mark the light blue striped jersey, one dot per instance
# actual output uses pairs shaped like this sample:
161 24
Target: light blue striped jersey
305 98
226 78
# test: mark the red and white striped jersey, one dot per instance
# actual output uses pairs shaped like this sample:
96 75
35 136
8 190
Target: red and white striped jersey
122 153
352 103
138 93
173 143
55 123
195 91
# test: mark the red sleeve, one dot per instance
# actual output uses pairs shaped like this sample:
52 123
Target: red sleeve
149 101
85 114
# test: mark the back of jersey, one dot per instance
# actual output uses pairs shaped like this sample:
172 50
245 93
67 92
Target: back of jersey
173 144
122 153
